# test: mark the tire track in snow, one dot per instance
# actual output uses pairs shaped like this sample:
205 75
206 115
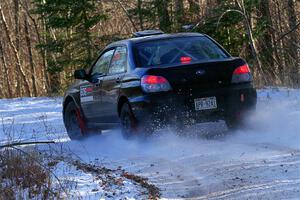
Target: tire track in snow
252 190
201 174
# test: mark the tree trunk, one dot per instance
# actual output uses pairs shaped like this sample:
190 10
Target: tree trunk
293 48
88 42
194 7
268 36
42 52
139 7
6 73
45 58
282 68
17 44
210 4
29 48
178 14
15 53
163 15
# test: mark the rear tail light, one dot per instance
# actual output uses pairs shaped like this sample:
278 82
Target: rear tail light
244 69
151 84
242 74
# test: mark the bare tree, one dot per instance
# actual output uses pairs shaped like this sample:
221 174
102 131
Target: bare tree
15 53
179 14
42 52
139 10
163 15
6 73
30 57
293 45
17 42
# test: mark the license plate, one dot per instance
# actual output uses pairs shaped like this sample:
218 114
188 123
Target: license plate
205 103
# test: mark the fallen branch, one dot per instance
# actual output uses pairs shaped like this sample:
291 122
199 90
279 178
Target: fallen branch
25 143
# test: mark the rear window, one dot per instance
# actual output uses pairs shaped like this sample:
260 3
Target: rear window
177 51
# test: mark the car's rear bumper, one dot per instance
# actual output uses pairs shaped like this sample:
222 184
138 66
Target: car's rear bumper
167 106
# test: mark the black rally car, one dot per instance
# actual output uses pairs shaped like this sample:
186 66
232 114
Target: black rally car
156 78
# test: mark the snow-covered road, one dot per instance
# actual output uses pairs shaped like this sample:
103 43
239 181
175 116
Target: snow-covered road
262 162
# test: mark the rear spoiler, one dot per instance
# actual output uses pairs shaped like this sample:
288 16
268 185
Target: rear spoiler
147 33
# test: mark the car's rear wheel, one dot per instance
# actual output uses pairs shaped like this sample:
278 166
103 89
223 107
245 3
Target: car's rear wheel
128 122
233 123
236 120
74 122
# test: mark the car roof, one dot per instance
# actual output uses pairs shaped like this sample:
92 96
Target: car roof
153 37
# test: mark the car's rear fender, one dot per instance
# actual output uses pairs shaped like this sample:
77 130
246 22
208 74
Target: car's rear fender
67 99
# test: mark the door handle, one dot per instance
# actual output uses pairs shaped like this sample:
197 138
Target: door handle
118 80
99 83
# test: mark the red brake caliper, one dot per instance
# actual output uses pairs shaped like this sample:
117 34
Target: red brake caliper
81 122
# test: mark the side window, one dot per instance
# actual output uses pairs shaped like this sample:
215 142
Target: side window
102 63
119 61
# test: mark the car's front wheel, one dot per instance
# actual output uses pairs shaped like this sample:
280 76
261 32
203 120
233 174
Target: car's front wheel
73 121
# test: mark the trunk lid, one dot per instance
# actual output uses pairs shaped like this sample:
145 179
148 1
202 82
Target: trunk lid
199 76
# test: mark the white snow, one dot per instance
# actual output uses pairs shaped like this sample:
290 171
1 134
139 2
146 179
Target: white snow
80 185
262 162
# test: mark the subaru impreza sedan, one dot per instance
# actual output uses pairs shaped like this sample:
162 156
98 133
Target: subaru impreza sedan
154 79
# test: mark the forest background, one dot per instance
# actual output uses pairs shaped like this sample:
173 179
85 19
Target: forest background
42 42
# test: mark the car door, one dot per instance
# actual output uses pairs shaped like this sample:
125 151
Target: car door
90 91
111 85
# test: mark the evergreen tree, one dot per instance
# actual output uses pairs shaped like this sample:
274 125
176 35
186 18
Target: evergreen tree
152 14
69 41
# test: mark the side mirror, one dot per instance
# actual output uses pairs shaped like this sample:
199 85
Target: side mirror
80 74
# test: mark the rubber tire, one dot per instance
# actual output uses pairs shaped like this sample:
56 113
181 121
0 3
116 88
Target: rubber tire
233 123
71 122
128 122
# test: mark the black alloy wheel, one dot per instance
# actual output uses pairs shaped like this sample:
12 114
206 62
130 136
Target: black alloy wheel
128 122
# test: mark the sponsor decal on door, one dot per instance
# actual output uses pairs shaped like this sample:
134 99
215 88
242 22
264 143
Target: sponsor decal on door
86 94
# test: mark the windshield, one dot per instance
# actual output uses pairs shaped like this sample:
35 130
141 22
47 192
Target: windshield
177 51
